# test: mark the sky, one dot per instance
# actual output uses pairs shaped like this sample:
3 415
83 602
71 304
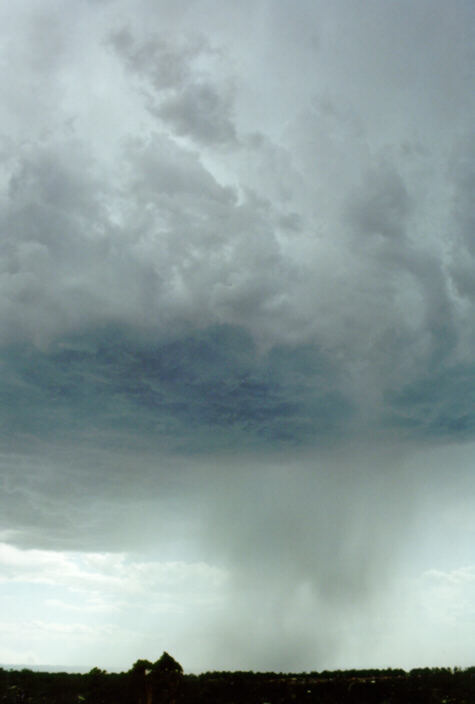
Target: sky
237 333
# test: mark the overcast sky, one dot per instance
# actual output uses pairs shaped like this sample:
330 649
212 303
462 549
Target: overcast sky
237 333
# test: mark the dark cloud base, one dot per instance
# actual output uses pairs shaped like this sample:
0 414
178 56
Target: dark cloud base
440 405
214 390
208 390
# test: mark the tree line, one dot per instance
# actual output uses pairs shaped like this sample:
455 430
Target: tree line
163 682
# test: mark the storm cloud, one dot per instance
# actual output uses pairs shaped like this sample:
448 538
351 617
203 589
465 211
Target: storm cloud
237 331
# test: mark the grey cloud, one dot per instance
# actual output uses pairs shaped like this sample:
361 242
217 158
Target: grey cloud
385 206
166 63
134 237
211 389
201 111
184 91
423 329
167 251
462 171
159 167
440 404
136 249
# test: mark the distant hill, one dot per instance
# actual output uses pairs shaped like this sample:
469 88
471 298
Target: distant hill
73 669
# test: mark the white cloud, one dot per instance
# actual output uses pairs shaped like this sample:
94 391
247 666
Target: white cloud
111 575
449 597
83 603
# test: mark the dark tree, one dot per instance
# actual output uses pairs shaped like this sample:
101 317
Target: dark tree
167 664
165 682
